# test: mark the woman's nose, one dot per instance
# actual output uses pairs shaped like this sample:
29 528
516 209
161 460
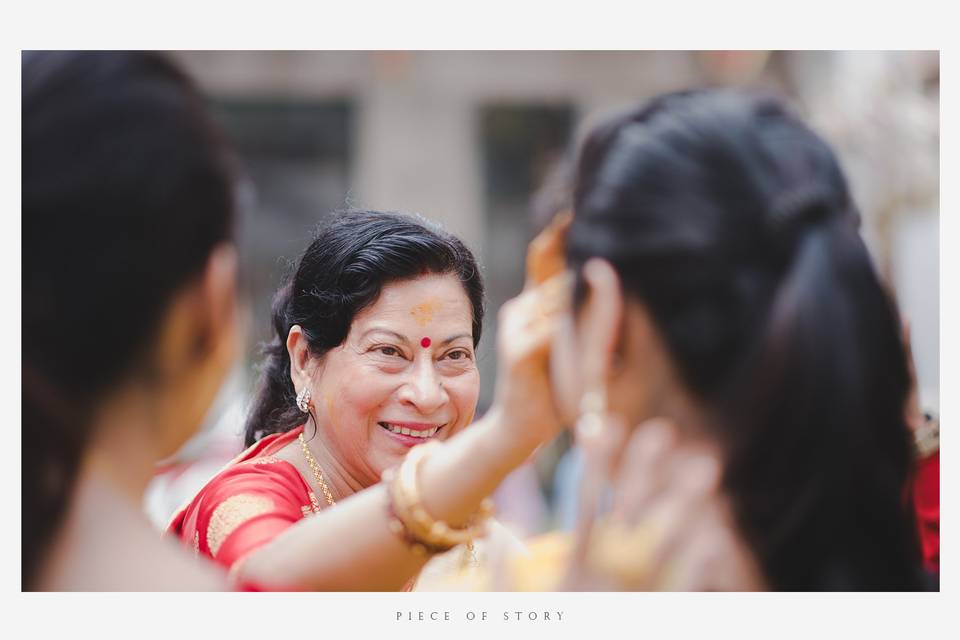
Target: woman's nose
424 390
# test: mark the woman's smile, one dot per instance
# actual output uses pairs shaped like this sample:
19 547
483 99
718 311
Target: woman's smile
410 393
411 433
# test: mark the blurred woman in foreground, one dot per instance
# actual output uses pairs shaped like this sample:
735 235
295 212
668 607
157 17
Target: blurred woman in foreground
722 285
373 355
129 319
129 315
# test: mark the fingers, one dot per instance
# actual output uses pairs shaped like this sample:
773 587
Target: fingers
541 302
643 473
600 450
524 339
548 298
528 322
545 255
670 526
527 325
608 553
662 487
678 515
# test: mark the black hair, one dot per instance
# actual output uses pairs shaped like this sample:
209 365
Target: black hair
341 273
732 222
127 188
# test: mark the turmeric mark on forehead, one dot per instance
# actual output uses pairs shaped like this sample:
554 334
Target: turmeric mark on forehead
423 312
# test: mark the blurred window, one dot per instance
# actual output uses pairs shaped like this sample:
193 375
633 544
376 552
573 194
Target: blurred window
297 154
520 146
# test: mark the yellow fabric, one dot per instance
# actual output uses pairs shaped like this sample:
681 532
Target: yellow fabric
538 566
620 555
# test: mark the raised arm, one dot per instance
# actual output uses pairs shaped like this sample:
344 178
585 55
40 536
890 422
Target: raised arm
351 546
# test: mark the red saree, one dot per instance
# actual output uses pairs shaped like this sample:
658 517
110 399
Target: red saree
247 504
926 502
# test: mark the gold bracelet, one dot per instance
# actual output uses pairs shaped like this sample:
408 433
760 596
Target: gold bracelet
418 526
424 526
396 524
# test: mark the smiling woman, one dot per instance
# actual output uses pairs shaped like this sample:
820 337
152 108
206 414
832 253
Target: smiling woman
409 392
374 354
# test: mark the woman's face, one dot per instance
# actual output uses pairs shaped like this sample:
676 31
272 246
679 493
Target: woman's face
405 374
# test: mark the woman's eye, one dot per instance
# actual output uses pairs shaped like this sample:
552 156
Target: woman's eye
388 351
458 355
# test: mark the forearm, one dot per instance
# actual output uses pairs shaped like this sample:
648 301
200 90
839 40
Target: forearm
351 547
471 466
348 547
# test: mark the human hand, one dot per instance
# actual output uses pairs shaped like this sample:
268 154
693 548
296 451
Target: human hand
523 399
545 257
670 526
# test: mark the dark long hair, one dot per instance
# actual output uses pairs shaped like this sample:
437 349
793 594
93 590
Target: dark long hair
341 273
127 188
733 224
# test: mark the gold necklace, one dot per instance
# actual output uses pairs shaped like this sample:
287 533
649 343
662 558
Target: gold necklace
317 473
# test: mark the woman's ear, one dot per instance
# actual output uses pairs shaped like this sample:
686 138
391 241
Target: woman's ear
599 321
195 348
299 352
201 322
220 294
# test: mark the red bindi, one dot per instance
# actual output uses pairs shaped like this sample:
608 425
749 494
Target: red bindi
425 343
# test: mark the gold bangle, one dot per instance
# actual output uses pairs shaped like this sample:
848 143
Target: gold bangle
396 524
407 511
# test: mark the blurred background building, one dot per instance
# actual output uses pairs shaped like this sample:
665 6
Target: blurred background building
475 141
